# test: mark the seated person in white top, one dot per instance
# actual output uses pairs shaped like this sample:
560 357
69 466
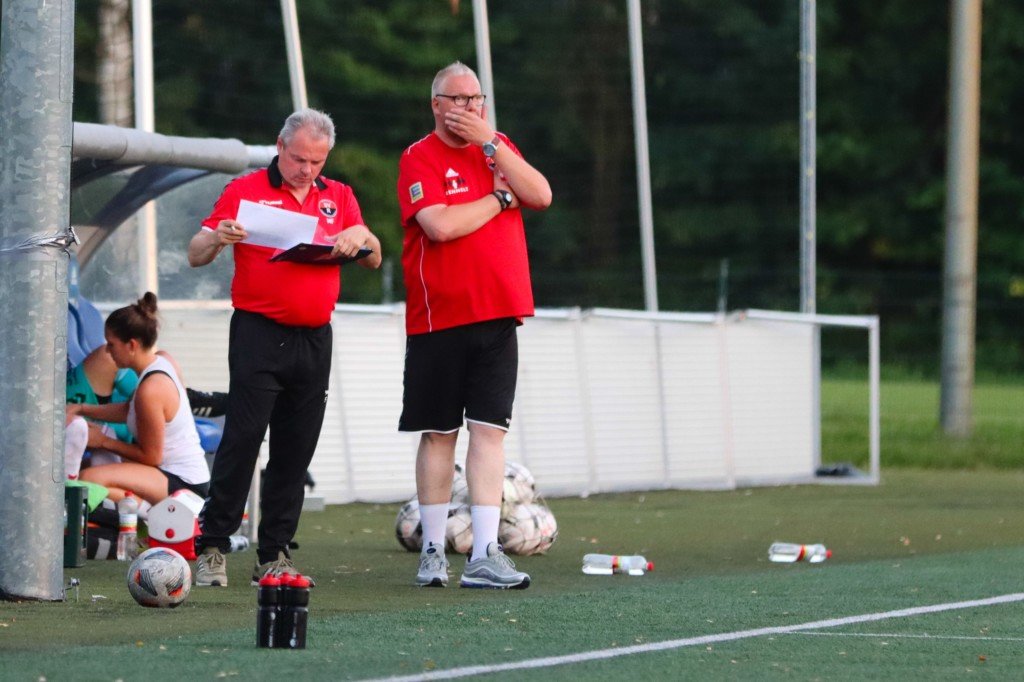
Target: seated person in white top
166 455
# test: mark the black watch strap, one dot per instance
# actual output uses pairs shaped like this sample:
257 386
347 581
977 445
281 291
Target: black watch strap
504 198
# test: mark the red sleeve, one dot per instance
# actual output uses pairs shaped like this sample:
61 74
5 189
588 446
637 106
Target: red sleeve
226 207
420 184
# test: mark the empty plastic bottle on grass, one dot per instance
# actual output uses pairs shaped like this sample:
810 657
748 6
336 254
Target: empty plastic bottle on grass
128 527
606 564
788 552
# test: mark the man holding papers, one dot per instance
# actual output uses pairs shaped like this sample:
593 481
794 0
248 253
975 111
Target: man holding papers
280 339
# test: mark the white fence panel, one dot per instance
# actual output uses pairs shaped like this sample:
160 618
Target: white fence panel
607 400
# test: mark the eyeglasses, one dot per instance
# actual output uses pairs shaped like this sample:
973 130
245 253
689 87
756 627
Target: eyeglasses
463 100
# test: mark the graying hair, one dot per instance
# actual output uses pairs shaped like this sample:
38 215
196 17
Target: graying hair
453 69
316 122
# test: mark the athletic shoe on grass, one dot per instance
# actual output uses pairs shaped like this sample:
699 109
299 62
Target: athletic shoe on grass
433 567
211 569
496 572
279 566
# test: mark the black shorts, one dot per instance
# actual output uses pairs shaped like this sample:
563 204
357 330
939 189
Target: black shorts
175 483
469 370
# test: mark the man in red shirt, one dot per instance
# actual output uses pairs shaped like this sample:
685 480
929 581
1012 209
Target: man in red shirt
280 344
467 282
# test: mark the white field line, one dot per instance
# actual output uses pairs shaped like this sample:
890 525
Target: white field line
892 635
601 654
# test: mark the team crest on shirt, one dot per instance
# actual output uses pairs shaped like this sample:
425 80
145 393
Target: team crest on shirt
328 208
415 192
454 183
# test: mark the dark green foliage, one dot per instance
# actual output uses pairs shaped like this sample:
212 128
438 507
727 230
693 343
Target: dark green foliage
723 109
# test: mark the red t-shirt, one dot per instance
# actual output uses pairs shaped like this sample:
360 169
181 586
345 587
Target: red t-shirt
295 294
482 276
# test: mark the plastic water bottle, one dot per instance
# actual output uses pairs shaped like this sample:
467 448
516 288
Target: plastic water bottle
128 523
291 632
606 564
788 552
268 611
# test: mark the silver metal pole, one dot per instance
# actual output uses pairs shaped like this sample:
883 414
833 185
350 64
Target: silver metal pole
808 198
482 31
643 163
959 297
808 156
142 39
36 67
296 70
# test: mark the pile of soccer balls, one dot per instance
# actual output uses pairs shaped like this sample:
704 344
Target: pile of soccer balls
527 524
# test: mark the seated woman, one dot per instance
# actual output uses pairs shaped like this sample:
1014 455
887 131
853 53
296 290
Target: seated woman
166 455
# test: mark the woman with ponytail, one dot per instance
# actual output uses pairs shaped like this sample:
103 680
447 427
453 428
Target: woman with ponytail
166 455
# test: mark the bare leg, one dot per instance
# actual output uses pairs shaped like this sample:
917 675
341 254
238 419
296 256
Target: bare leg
485 469
435 467
485 464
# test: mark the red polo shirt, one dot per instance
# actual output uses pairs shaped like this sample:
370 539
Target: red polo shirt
482 276
295 294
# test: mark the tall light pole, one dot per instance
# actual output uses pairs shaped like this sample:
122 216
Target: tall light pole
960 274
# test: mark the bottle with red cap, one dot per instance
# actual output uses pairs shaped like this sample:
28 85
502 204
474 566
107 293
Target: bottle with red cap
268 611
291 632
789 552
606 564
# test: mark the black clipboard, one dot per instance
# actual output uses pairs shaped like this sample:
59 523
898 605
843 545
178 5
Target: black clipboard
317 254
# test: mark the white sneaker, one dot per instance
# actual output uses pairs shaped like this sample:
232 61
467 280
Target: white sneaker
433 567
496 572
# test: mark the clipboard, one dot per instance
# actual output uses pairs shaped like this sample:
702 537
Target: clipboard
316 254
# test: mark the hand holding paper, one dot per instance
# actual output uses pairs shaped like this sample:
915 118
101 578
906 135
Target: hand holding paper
275 227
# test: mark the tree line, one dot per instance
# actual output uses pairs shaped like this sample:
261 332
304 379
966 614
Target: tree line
723 106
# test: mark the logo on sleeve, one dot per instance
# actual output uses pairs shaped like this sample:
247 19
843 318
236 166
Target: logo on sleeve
415 192
328 208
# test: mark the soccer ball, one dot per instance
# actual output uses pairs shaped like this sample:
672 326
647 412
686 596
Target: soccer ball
518 487
547 525
519 530
408 529
458 536
160 578
460 489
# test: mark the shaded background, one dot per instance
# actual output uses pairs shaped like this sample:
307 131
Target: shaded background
723 105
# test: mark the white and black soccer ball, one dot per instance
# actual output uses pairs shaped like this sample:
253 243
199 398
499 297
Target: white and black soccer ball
159 578
546 524
458 536
519 530
518 487
408 529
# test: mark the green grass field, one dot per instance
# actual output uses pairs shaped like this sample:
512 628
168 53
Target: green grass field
926 536
911 436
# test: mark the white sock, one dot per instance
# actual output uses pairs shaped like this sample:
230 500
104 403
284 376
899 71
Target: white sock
485 528
76 435
434 519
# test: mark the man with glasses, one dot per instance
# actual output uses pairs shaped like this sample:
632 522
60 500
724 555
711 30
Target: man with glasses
467 282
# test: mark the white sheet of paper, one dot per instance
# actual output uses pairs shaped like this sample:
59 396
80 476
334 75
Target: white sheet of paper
275 227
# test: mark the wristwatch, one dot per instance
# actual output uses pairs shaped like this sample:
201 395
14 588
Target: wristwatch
504 197
491 148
